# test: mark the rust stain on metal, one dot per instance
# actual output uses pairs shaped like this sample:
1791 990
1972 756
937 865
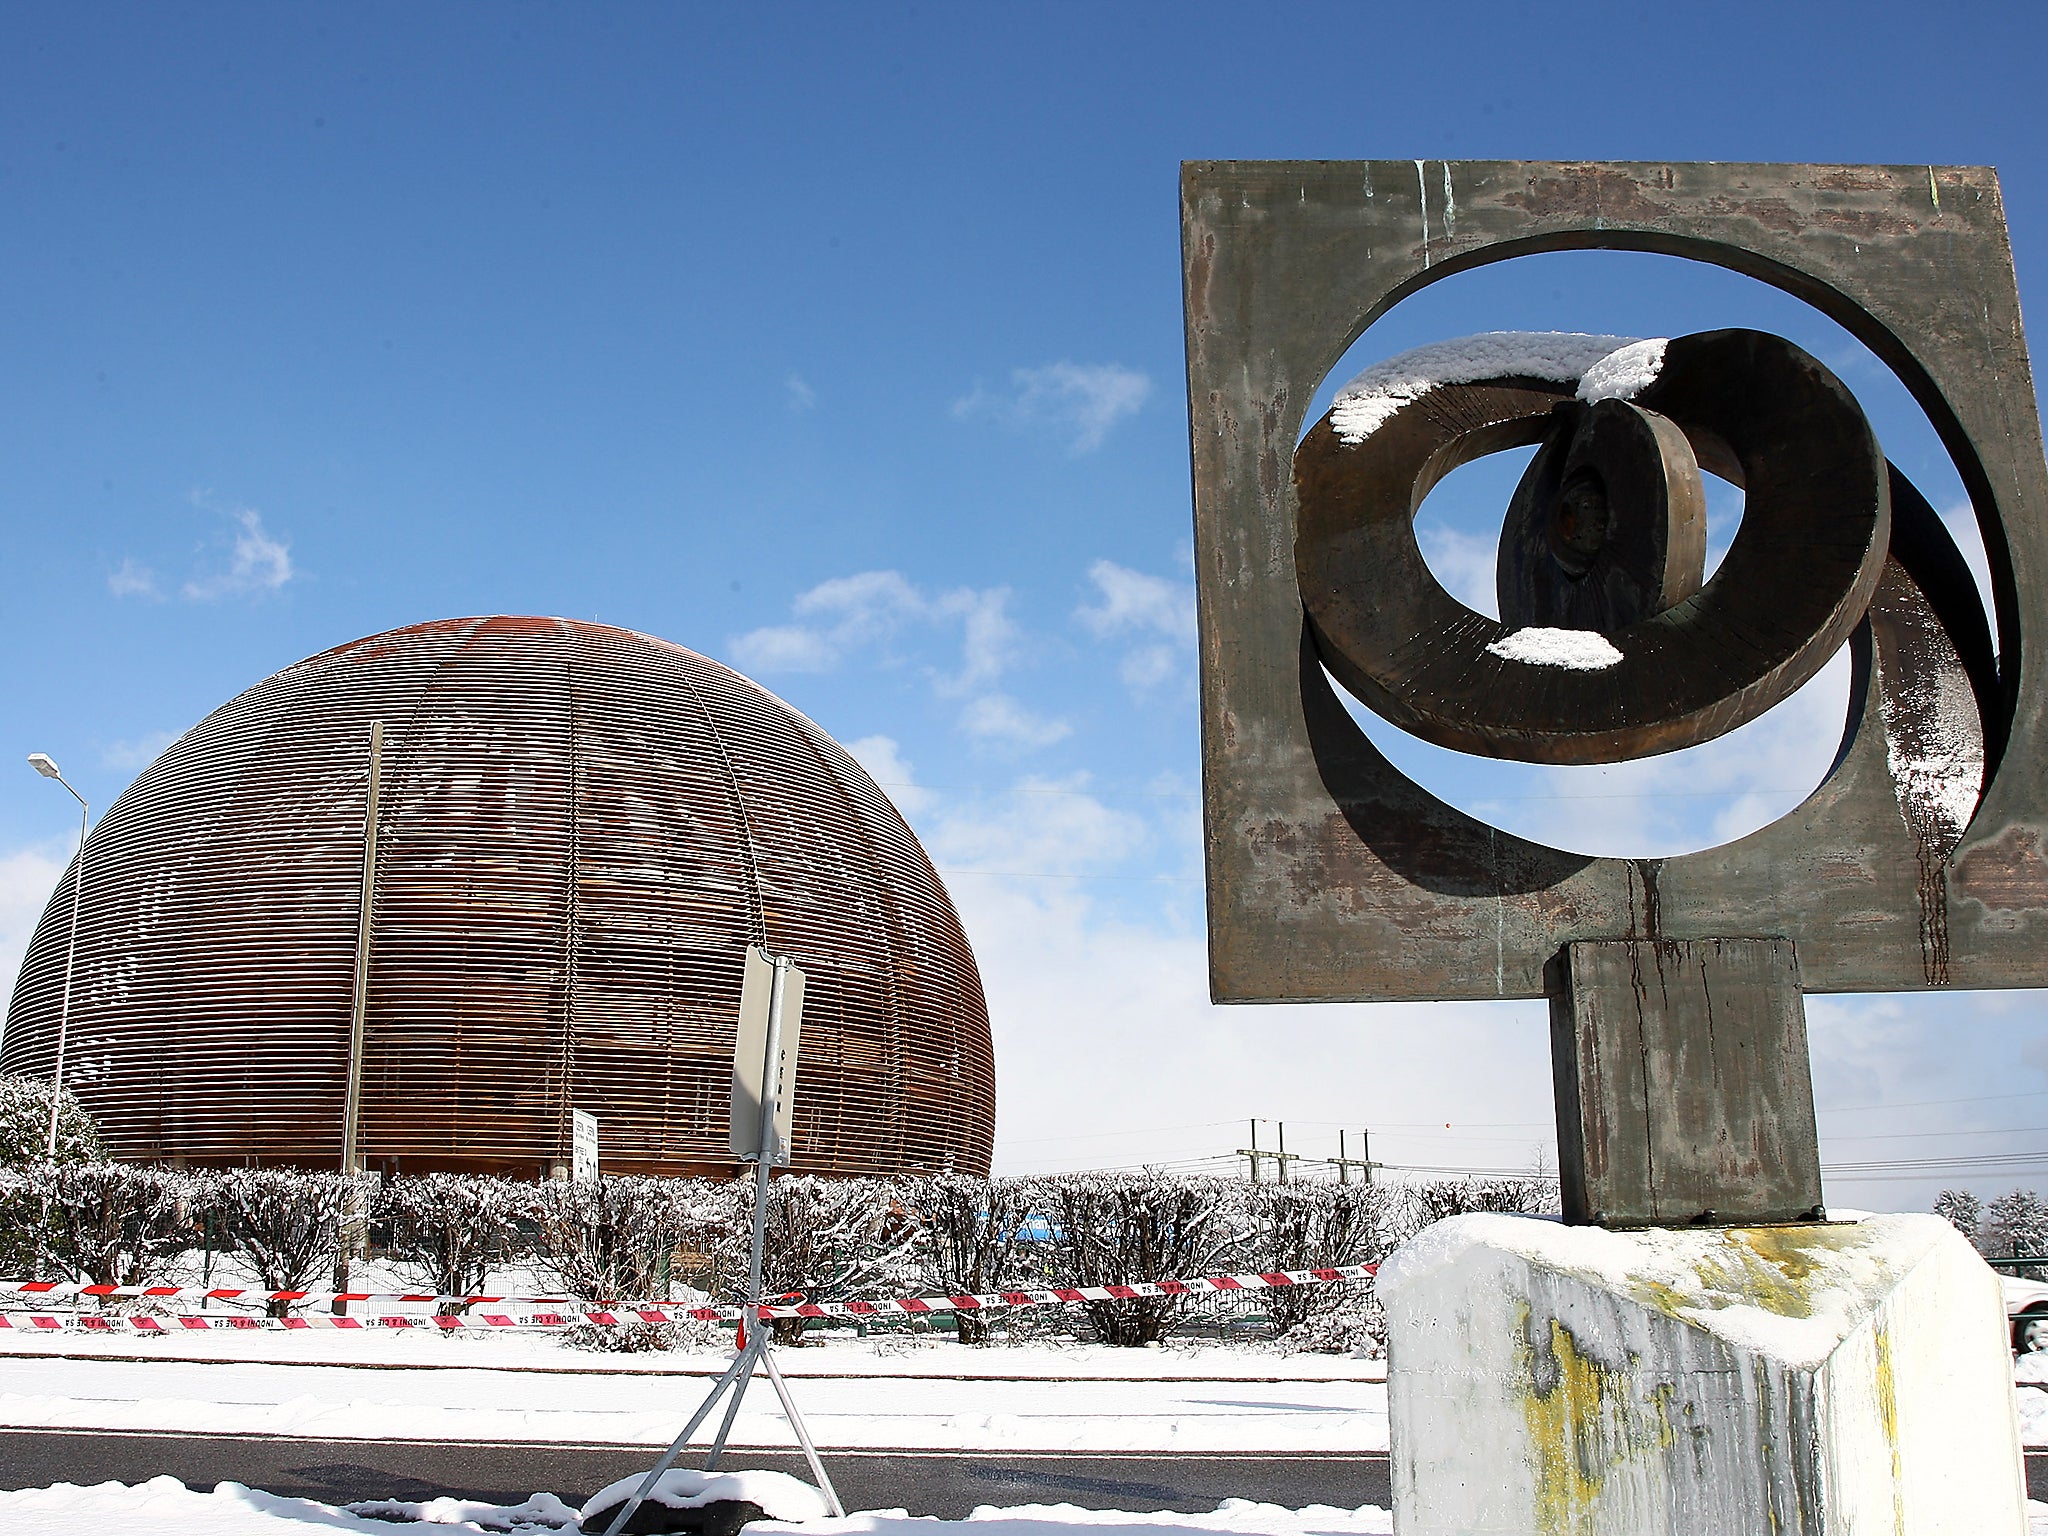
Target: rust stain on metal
2006 874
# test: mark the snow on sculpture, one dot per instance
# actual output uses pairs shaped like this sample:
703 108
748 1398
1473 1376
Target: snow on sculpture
1683 1090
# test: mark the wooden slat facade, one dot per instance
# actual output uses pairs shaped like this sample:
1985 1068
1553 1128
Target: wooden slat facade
581 830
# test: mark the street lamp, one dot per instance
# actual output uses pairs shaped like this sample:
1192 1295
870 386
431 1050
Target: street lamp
40 761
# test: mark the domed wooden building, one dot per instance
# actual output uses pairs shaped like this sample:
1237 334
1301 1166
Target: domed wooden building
580 831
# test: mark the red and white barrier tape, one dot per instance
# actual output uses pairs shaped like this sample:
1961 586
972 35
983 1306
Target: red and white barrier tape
615 1315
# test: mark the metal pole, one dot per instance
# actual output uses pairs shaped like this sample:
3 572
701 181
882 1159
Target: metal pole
748 1353
668 1458
1282 1124
803 1438
771 1093
1343 1163
741 1371
354 1221
351 1106
70 955
1365 1147
1255 1151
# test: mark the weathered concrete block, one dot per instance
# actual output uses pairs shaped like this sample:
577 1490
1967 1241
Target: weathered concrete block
1827 1380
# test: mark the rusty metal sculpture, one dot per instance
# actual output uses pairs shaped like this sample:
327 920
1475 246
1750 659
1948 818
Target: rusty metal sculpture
1678 1037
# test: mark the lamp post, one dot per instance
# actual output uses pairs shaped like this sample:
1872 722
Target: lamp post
40 761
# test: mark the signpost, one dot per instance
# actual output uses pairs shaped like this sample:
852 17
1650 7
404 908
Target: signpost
771 1020
763 1093
582 1146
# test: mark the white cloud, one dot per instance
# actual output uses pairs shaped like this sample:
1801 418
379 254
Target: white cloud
1961 522
1038 827
847 613
1103 1022
257 563
132 580
1160 611
27 877
784 648
886 765
1705 795
1080 402
801 396
998 718
1133 600
987 634
134 756
1462 563
1147 667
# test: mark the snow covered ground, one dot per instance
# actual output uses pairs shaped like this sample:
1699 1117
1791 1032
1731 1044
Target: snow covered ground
871 1394
1047 1404
165 1507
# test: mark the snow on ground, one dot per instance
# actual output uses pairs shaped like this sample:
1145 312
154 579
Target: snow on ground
841 1354
165 1507
880 1412
881 1393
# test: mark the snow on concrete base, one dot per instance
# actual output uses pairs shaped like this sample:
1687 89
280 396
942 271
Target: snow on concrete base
1819 1379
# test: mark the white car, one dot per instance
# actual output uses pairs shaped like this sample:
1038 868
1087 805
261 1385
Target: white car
2026 1303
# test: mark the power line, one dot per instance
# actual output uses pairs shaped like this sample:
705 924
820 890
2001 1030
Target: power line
1988 1098
1106 791
1155 1130
1051 874
2010 1130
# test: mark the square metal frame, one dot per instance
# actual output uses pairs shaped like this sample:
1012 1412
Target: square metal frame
1331 875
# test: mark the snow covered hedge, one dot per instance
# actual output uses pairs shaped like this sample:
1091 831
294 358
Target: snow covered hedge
98 1223
621 1238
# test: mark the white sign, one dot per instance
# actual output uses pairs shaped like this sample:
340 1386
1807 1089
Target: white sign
750 1052
583 1145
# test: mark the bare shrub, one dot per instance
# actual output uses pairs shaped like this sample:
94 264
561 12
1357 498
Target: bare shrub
827 1240
447 1231
973 1229
285 1222
106 1223
1320 1226
1121 1228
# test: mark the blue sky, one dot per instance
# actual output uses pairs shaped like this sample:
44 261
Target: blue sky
843 343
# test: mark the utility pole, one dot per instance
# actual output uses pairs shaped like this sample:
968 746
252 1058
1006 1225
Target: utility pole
1283 1157
1253 1152
1345 1163
355 1221
352 1099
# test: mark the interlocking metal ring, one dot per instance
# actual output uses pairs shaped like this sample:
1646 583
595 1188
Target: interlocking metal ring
1614 496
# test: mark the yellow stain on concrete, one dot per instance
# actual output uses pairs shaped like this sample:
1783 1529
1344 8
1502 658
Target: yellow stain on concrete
1582 1425
1888 1417
1775 1269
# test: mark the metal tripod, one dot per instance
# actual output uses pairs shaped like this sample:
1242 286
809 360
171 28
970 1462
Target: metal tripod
756 1349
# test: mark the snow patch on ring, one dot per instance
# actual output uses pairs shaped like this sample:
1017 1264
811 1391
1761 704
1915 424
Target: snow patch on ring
1369 401
1576 650
1625 372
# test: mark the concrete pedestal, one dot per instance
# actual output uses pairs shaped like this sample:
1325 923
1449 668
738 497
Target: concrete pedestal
1822 1380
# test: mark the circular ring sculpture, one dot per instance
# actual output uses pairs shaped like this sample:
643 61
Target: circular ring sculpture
581 830
1608 525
